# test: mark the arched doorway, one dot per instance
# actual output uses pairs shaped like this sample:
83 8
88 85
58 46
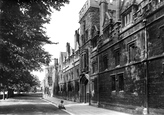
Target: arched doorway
84 86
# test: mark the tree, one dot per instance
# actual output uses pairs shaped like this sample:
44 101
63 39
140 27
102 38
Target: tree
22 37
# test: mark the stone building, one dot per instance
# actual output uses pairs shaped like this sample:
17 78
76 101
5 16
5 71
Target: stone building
105 11
69 73
130 54
55 77
88 19
48 82
120 61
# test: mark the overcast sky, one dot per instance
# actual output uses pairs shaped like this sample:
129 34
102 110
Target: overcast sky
62 29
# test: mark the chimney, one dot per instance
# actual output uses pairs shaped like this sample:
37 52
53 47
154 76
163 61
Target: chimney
118 3
68 49
55 61
103 8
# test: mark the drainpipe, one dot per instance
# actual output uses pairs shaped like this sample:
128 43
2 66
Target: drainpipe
89 68
146 109
98 95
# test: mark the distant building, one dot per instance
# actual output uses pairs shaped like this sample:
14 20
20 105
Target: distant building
55 78
48 80
69 72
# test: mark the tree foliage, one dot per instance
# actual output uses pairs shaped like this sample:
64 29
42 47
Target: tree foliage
22 37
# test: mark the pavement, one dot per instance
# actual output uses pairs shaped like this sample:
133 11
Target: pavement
74 108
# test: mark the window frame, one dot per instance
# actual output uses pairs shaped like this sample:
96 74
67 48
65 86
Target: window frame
121 84
113 82
127 17
132 55
117 55
105 62
86 35
94 67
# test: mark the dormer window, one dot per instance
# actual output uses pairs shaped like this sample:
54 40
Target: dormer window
127 17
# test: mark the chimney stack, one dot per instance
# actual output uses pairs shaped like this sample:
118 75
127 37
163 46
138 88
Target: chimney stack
103 8
55 61
118 3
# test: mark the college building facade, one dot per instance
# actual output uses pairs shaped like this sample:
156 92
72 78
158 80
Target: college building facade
118 60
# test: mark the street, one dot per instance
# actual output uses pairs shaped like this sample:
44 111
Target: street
29 104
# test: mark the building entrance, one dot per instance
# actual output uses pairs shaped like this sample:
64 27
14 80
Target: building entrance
84 86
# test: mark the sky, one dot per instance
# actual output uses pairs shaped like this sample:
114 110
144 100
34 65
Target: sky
62 29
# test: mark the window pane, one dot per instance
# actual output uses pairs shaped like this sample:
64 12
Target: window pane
117 57
132 52
113 78
105 60
121 82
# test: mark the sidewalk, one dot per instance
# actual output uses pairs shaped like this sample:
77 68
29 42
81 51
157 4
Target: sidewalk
82 108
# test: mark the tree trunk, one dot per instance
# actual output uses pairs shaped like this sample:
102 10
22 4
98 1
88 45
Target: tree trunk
4 94
7 96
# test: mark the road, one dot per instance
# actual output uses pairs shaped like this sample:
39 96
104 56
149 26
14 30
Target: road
29 104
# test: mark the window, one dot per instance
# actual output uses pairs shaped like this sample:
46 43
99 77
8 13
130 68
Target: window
127 18
92 88
94 67
113 78
105 62
132 52
117 57
76 86
82 39
81 62
72 74
77 70
84 23
94 42
121 82
86 35
86 60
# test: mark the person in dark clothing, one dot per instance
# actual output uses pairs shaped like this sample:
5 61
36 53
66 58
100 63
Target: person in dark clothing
61 105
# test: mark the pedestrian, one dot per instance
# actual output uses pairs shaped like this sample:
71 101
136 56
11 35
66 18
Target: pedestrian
61 105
